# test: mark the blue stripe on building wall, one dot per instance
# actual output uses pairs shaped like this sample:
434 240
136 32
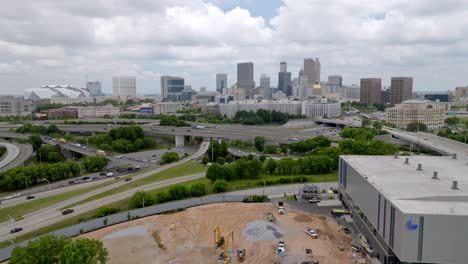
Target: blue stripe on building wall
384 217
378 213
392 225
421 237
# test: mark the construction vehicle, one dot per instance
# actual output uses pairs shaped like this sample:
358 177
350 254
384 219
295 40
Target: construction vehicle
62 140
241 255
280 207
270 217
224 257
219 239
100 152
281 249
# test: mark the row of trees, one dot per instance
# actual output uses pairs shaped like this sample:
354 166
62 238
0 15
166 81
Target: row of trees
23 177
309 144
172 121
176 192
94 163
122 139
169 157
51 154
449 133
260 117
28 128
241 169
51 249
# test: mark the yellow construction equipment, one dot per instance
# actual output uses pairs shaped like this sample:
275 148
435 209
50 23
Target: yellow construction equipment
223 257
219 239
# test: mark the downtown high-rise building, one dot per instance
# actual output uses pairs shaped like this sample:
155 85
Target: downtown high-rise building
245 77
221 82
335 80
371 91
265 86
94 88
284 79
172 87
124 86
312 70
401 89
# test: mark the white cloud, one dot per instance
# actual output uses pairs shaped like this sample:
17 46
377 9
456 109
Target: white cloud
66 40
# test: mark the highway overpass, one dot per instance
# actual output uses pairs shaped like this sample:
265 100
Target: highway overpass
432 142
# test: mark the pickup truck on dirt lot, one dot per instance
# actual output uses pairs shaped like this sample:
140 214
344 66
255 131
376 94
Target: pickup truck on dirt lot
280 207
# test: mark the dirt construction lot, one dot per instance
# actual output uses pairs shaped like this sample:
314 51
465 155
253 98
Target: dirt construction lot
188 237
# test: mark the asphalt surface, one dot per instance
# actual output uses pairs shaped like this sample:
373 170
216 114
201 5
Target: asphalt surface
51 214
22 152
442 145
12 152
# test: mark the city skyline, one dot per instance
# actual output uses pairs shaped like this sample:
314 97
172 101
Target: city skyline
102 40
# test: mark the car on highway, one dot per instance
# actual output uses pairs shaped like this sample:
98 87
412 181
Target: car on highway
29 197
312 233
95 177
128 179
137 167
67 211
154 155
78 145
109 174
16 230
130 168
314 200
102 174
145 160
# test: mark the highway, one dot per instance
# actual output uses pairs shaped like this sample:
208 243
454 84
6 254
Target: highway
12 152
47 191
442 145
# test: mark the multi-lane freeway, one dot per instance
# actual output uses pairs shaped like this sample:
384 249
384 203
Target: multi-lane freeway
51 214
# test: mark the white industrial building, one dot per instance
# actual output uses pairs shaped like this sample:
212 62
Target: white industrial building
321 109
55 91
97 111
411 209
432 114
124 86
167 107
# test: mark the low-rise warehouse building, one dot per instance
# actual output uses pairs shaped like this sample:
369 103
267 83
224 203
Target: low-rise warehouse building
411 209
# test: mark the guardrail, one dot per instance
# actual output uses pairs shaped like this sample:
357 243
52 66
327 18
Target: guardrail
114 219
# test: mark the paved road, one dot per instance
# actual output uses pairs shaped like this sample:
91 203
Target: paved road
22 152
12 152
46 191
439 144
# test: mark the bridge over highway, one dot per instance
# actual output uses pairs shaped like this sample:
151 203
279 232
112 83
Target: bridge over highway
438 144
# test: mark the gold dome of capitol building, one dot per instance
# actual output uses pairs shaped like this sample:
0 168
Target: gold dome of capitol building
317 86
317 90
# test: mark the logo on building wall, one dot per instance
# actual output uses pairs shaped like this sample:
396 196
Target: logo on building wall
410 225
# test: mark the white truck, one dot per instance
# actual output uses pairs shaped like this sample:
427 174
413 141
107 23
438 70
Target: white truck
280 207
281 249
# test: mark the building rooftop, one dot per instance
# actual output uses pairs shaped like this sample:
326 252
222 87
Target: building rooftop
415 191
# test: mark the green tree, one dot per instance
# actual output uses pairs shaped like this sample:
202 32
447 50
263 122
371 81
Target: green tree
220 186
53 129
452 121
50 154
365 122
416 126
270 166
35 141
271 149
205 160
214 172
169 157
217 149
378 126
94 164
141 199
178 192
259 143
262 158
229 158
106 210
220 161
198 189
44 250
51 249
83 251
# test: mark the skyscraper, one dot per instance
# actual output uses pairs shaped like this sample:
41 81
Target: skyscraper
265 85
124 86
401 89
335 80
172 87
371 91
245 77
221 82
312 70
94 88
284 83
283 66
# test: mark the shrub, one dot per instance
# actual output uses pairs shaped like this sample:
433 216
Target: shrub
142 199
178 192
220 186
255 199
198 189
169 157
106 210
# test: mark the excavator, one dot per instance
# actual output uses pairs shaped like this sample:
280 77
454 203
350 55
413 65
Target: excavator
219 239
224 257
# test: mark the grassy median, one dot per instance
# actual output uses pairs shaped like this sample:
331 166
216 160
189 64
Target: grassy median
183 169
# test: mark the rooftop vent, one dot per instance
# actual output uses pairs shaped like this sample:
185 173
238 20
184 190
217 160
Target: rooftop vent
406 160
454 185
419 166
454 156
434 176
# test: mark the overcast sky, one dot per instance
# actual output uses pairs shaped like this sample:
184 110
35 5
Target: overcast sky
62 42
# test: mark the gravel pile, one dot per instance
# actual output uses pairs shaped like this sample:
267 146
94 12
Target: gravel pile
262 230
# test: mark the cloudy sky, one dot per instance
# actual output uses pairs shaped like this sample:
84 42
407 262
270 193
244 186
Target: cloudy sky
62 42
